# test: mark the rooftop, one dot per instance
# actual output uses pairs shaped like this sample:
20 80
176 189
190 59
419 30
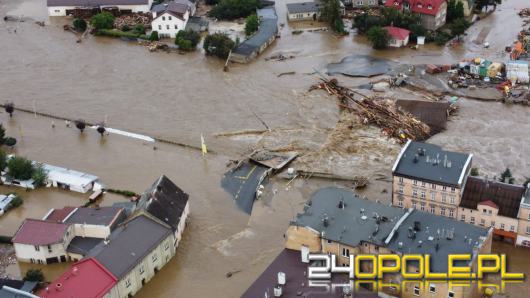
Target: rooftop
58 215
268 28
26 286
105 216
342 216
303 7
397 33
82 245
132 241
430 7
430 162
67 176
507 197
85 279
95 3
4 201
165 201
40 232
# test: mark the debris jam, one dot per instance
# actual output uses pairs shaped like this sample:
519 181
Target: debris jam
377 111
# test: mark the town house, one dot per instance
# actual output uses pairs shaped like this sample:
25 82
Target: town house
61 8
169 18
432 12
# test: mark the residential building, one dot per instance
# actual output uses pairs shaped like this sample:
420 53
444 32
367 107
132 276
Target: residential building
399 37
492 204
61 8
171 17
5 201
259 41
432 12
363 3
87 278
134 253
43 242
430 179
12 288
167 202
340 222
523 232
303 11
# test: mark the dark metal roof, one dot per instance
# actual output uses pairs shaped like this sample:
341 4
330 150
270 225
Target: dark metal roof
95 3
432 164
304 7
297 284
165 201
506 196
128 245
432 113
82 245
268 27
104 216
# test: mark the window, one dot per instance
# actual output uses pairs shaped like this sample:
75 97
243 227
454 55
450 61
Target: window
444 198
432 288
415 182
169 18
433 209
482 222
166 247
49 248
492 223
400 202
401 181
142 270
453 189
422 184
450 294
452 198
512 228
37 248
416 291
489 212
502 226
429 6
422 206
444 188
414 204
154 258
163 18
472 220
433 196
463 217
57 10
159 27
484 211
176 27
329 241
528 216
422 194
451 213
127 283
400 190
346 252
414 193
528 230
442 211
167 27
433 186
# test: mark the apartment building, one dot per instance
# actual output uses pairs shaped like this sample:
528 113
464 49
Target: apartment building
340 222
430 179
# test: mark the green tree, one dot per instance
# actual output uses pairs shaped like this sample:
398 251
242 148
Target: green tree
506 176
458 27
139 29
251 24
526 182
103 20
9 141
40 176
187 40
125 28
233 9
474 172
455 10
2 134
34 275
3 160
379 37
20 168
154 36
80 24
332 14
364 22
218 44
417 30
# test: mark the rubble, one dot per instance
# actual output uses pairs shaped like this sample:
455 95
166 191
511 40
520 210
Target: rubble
377 111
133 19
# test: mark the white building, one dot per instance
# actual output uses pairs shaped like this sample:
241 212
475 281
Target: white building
4 202
61 8
303 11
170 18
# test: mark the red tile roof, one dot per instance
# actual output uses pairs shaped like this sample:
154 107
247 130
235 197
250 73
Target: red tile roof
489 203
397 33
430 7
85 279
40 232
59 215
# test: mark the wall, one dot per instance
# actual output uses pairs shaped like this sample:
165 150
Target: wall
161 24
95 231
26 252
523 237
60 11
363 3
303 16
182 224
479 215
296 237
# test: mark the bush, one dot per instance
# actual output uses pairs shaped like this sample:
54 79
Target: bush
442 38
233 9
251 24
3 160
40 176
34 275
364 22
80 24
126 193
118 33
331 13
218 44
125 28
187 40
5 239
154 36
474 172
104 20
20 168
458 27
211 2
379 37
9 141
16 202
139 29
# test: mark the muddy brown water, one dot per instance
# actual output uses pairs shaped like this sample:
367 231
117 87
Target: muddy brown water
181 96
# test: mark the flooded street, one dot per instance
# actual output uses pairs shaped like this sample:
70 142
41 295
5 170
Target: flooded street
178 97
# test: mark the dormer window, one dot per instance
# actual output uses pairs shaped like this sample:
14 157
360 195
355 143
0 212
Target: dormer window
429 6
163 18
420 6
396 3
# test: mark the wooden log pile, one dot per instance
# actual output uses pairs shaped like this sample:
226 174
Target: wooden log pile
133 19
377 111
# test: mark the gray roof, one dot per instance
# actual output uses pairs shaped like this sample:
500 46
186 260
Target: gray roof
129 244
304 7
26 286
268 28
177 6
95 3
431 163
82 245
348 226
97 216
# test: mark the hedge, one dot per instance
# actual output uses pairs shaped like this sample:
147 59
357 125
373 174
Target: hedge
118 33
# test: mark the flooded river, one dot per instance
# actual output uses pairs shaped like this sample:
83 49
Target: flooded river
178 97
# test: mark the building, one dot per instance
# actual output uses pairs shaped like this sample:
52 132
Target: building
87 278
169 18
432 12
134 253
340 222
43 242
65 234
430 179
303 11
257 43
523 232
61 8
4 202
399 37
12 288
167 202
363 3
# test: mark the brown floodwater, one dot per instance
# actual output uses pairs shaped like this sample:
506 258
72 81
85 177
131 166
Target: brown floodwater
179 97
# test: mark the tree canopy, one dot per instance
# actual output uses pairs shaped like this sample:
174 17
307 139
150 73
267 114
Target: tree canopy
458 27
251 24
455 10
331 13
218 44
379 37
103 20
187 40
20 168
233 9
34 275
